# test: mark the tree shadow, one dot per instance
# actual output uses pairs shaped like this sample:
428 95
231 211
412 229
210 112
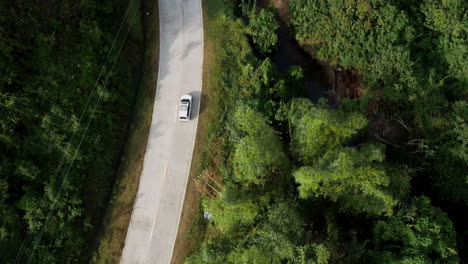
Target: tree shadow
190 46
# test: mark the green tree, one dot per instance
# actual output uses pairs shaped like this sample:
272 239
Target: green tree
450 22
283 230
262 26
212 251
316 130
50 57
235 209
258 153
452 162
254 255
419 233
411 56
262 86
373 37
280 237
357 179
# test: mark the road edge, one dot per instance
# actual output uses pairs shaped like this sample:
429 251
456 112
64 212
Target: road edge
194 136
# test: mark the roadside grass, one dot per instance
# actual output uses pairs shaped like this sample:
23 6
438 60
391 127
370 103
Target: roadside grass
192 225
112 235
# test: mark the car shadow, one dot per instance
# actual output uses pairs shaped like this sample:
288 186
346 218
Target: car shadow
197 106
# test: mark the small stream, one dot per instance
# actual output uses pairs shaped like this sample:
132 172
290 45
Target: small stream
290 53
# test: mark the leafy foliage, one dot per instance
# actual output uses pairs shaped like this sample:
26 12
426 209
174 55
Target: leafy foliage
419 233
356 178
452 164
272 148
233 210
316 130
414 56
50 58
370 36
262 26
404 50
276 238
258 154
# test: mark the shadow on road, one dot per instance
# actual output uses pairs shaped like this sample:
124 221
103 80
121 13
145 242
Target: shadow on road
197 98
190 46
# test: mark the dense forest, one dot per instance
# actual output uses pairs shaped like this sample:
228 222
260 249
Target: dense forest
69 75
376 177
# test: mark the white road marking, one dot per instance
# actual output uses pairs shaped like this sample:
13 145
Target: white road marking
157 206
152 229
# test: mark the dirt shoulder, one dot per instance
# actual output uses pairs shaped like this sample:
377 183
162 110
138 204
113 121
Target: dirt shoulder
114 230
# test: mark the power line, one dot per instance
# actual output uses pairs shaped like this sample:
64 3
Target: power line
74 156
35 219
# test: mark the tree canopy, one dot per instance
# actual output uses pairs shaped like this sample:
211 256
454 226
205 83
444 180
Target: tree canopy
335 182
51 54
316 130
357 178
419 233
262 26
258 153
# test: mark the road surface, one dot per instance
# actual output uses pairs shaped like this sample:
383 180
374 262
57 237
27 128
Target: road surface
156 212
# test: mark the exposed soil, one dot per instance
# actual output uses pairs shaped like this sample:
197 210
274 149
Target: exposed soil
346 84
283 9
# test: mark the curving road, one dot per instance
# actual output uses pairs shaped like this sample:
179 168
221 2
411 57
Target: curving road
156 212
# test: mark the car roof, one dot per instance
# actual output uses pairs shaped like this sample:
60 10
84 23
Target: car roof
186 96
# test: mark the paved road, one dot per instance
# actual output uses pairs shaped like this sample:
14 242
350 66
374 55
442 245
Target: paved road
156 213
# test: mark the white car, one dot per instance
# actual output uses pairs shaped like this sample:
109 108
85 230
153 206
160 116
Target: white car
185 107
